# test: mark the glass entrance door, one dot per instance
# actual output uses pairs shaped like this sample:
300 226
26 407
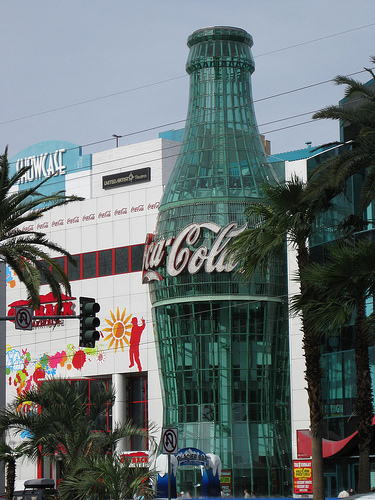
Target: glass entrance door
330 485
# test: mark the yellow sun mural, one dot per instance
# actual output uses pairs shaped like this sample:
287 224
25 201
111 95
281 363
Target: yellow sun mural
120 329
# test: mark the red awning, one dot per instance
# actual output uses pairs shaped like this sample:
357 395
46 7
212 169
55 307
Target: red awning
330 448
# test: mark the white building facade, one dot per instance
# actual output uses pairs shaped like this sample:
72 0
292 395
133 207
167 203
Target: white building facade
105 233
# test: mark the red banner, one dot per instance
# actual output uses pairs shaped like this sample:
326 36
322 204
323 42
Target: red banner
302 477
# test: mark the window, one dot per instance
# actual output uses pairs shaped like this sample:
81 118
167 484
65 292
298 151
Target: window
74 271
137 257
137 408
105 263
96 264
89 265
61 262
45 270
121 260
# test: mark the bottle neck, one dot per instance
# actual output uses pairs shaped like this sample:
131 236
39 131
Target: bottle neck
222 157
220 98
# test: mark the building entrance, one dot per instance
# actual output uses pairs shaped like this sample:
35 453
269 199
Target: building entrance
330 485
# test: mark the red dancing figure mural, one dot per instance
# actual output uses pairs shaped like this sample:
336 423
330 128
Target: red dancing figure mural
135 339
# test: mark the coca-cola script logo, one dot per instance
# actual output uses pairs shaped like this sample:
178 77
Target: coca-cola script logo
153 206
181 258
140 208
59 222
86 218
121 211
44 225
30 227
74 220
104 215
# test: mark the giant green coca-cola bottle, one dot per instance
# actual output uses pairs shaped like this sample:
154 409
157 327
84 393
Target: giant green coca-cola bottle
222 344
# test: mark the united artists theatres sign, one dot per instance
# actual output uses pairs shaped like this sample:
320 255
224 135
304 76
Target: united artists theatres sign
126 178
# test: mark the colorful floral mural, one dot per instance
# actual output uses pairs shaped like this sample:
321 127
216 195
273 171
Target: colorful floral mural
23 372
10 277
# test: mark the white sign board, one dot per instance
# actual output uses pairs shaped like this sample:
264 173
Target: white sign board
23 318
170 441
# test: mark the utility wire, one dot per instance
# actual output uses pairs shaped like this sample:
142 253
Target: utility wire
315 40
175 78
95 143
91 100
145 161
162 156
255 101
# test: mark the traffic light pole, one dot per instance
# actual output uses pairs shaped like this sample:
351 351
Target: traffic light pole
88 321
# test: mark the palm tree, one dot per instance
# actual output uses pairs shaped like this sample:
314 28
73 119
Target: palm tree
27 252
337 293
286 216
106 477
9 456
68 424
359 154
356 159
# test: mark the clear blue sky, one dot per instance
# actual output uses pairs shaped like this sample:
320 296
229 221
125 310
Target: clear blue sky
58 54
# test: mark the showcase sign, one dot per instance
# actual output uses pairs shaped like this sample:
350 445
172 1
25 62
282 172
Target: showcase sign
42 166
302 477
49 159
126 178
181 257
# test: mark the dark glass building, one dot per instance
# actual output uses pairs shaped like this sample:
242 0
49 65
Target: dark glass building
222 343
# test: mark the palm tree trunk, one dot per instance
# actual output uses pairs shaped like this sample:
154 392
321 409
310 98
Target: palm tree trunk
10 479
313 377
363 406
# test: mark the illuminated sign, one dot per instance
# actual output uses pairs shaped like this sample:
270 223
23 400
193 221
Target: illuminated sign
181 257
126 178
191 456
302 477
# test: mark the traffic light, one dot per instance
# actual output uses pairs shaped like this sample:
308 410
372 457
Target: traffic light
88 322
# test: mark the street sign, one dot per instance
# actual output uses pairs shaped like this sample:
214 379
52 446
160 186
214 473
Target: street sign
23 318
170 441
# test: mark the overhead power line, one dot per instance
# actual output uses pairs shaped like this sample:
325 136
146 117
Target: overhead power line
315 40
114 94
164 125
53 110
